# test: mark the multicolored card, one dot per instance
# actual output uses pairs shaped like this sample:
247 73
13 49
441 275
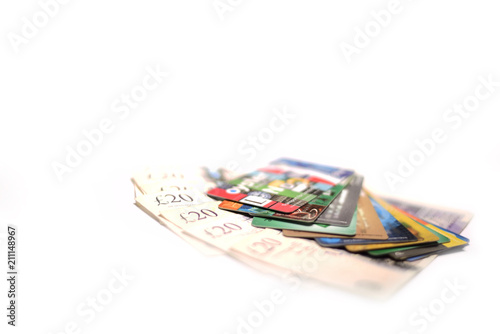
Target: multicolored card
284 186
307 213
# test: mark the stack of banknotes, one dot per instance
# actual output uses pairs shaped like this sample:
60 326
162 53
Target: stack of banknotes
302 218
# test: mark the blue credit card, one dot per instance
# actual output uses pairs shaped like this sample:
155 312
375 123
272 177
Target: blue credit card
328 170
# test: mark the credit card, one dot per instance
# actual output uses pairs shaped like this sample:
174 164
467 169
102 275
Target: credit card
396 232
451 219
289 225
423 234
284 186
403 253
341 210
335 174
307 213
270 188
368 225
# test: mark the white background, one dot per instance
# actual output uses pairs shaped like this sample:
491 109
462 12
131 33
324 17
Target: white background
225 77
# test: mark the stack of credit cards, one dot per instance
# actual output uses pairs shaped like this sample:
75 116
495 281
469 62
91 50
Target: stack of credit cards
291 212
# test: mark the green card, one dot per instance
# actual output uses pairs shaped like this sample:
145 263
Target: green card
319 228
